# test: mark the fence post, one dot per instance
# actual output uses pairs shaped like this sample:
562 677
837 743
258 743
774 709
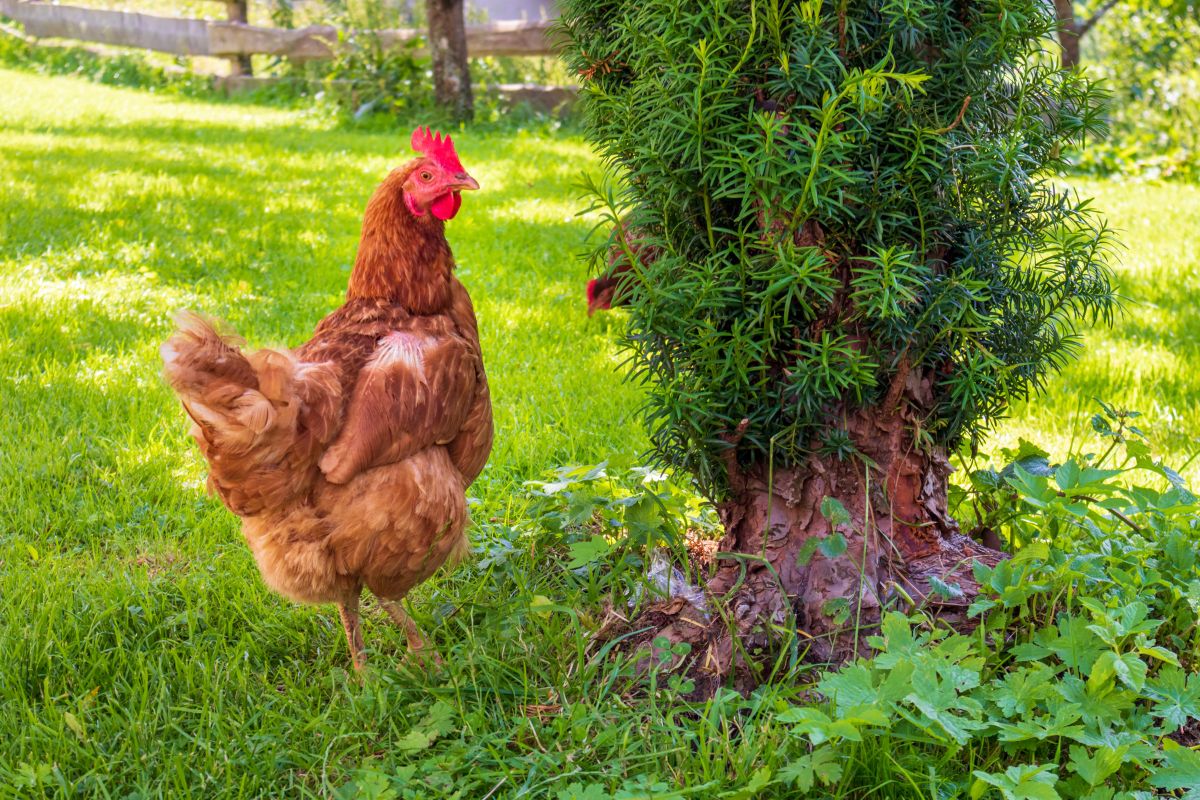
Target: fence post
236 11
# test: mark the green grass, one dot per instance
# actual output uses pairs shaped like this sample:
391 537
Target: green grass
141 655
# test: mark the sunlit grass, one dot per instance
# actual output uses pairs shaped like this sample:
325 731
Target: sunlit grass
1150 360
131 604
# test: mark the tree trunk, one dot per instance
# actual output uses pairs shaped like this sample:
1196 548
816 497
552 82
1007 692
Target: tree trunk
448 47
1068 32
772 580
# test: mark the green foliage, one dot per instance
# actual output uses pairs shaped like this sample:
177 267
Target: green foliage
364 77
610 524
1078 678
1082 670
127 69
1147 53
839 192
141 654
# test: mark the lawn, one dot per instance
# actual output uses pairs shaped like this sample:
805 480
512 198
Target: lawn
143 657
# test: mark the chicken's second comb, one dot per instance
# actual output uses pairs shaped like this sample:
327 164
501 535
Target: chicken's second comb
435 147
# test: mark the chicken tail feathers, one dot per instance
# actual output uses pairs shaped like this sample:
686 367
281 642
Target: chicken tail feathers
261 419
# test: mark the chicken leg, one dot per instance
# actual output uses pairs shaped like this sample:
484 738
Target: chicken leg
348 611
416 641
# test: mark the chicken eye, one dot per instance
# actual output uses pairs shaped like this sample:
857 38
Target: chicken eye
427 176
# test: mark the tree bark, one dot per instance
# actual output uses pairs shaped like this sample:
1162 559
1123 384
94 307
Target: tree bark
448 47
1068 32
772 583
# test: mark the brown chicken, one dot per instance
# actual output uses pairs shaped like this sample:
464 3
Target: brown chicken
613 287
348 458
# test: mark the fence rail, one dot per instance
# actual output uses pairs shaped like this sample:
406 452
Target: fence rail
196 37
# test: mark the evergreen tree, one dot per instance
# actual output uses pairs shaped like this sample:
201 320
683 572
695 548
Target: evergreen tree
849 255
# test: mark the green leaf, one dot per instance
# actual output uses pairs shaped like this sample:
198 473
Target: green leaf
1176 696
837 609
645 513
1067 475
1099 764
586 551
1180 770
832 545
414 741
1019 692
808 550
833 510
1035 552
759 780
1023 782
948 591
819 765
579 791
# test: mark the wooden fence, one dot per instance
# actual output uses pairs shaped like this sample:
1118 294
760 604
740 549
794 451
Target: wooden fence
197 37
237 40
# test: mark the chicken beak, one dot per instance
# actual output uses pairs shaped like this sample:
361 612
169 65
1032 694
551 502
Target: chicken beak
464 181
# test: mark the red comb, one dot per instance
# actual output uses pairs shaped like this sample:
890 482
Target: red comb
435 147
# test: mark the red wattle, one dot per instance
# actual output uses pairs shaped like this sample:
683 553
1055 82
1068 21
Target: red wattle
446 206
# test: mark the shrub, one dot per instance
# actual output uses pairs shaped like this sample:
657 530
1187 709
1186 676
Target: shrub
862 256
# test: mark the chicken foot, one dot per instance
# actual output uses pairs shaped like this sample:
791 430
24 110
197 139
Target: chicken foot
352 623
416 641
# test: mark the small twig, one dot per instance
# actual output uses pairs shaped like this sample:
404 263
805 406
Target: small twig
1112 511
494 788
961 112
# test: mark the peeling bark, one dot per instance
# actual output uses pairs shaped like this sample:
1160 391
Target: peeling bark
768 586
